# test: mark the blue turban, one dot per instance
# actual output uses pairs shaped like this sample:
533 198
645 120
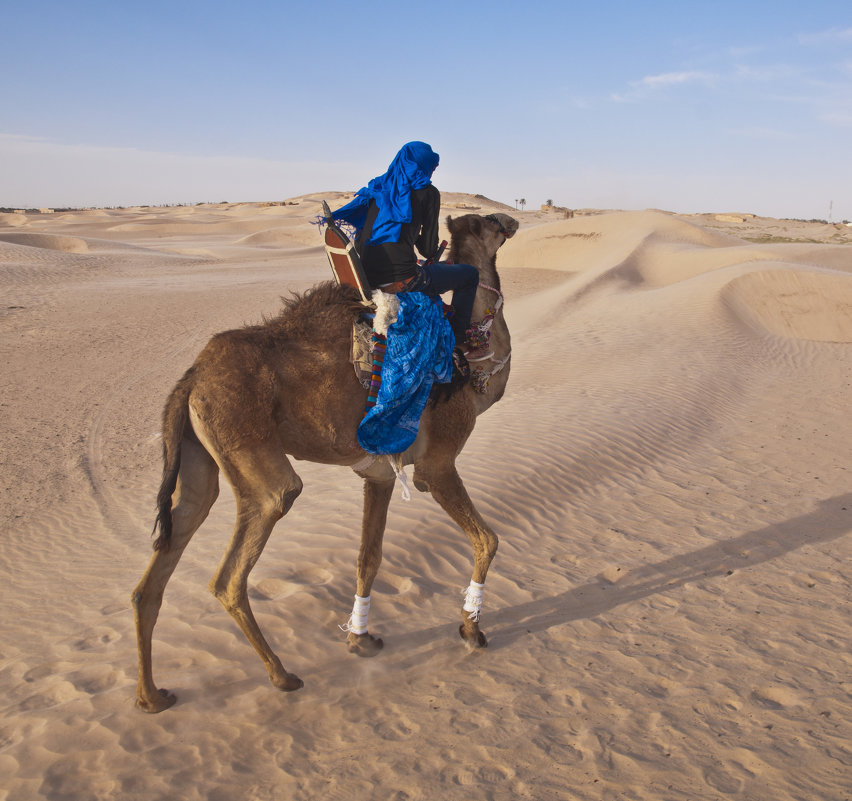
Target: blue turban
412 168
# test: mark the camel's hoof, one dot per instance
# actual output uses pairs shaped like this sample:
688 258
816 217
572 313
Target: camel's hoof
473 639
288 682
163 700
364 644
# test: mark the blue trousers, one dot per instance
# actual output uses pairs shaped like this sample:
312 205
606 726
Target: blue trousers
461 279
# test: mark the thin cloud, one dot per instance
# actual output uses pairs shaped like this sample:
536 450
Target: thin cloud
674 78
840 35
841 119
767 73
39 172
756 132
651 84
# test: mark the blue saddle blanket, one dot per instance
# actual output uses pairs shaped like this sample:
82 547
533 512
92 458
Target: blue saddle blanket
419 353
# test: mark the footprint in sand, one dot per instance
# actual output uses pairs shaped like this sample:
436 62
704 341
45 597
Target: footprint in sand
722 781
96 679
97 639
775 697
612 574
270 589
58 693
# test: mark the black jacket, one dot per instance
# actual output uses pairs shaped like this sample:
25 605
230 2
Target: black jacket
396 261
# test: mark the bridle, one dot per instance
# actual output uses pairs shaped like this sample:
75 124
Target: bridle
480 376
500 227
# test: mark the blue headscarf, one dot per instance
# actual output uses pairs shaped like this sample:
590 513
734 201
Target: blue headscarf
412 168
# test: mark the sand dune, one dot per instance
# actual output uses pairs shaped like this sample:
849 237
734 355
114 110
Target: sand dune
66 244
668 472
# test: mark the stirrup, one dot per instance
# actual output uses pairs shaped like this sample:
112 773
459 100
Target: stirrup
460 365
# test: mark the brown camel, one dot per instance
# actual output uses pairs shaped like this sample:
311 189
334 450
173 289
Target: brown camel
287 388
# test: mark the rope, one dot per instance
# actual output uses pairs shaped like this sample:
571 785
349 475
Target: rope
357 623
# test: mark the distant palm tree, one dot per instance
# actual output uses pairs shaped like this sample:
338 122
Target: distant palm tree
548 202
523 202
516 203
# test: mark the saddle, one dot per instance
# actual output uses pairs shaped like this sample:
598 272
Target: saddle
344 258
368 335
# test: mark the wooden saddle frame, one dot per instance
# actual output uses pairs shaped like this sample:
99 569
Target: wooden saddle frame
344 258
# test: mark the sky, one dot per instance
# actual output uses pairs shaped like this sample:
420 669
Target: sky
684 106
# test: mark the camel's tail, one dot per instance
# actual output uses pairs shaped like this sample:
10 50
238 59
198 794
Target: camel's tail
175 420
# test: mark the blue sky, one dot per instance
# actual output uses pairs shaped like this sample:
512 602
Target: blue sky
723 106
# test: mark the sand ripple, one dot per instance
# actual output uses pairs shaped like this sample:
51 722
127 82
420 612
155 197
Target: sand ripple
668 474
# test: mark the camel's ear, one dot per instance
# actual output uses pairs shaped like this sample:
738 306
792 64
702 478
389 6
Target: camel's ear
472 222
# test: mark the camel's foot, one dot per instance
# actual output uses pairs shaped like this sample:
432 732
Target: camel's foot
161 700
472 636
286 681
364 644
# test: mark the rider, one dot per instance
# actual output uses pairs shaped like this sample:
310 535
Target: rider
398 212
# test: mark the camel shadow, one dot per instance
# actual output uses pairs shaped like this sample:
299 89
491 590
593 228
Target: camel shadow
832 518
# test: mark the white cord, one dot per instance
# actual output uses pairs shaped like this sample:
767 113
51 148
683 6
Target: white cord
396 463
357 623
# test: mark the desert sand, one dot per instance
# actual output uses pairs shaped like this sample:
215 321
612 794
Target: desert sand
669 474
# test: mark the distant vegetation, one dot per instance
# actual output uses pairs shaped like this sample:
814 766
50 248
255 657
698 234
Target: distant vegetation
824 222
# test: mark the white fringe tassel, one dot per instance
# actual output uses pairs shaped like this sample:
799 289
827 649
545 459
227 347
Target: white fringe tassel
357 623
396 463
387 309
473 600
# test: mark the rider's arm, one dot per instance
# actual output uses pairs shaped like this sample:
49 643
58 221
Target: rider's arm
430 210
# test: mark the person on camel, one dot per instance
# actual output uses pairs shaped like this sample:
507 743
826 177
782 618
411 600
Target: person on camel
398 212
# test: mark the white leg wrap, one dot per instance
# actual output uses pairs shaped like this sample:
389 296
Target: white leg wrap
473 600
357 623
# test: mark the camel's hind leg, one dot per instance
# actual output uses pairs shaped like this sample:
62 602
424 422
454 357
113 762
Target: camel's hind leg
197 488
265 486
377 495
447 489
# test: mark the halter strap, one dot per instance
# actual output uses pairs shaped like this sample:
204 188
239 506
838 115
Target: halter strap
480 377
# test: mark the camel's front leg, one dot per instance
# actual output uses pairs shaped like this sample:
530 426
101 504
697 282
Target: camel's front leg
377 495
448 490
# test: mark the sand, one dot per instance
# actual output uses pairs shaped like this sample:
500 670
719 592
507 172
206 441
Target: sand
669 474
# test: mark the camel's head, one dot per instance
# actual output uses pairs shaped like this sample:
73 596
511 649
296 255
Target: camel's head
487 233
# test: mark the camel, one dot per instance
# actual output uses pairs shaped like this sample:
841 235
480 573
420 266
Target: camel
256 395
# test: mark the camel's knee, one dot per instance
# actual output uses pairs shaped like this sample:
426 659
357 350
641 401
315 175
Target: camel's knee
231 595
274 507
488 544
288 496
276 504
146 605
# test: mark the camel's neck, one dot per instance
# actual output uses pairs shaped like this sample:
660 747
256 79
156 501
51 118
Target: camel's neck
487 265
